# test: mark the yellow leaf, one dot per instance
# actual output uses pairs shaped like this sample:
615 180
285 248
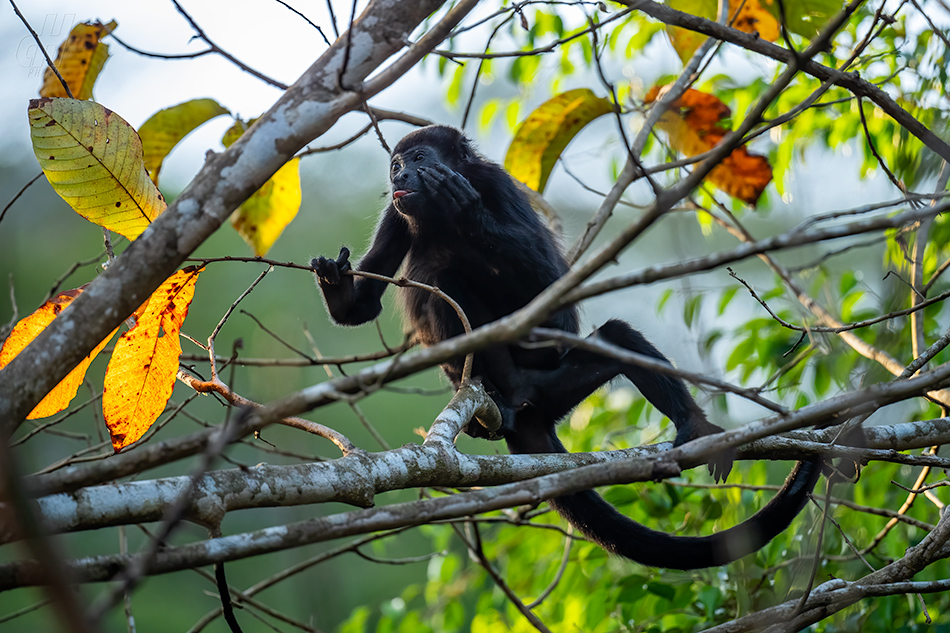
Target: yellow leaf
167 127
265 215
684 41
141 374
693 124
751 18
93 160
541 138
28 329
234 132
80 59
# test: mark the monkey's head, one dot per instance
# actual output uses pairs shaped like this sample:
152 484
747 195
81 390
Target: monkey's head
434 149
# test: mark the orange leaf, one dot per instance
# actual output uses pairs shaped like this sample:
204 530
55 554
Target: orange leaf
141 375
27 330
694 126
753 18
80 59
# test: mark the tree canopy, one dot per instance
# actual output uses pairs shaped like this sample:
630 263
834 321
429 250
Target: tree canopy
186 443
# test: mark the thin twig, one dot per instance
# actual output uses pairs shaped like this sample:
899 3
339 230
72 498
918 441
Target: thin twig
403 282
49 62
224 319
201 34
216 386
19 193
306 19
479 553
565 557
139 51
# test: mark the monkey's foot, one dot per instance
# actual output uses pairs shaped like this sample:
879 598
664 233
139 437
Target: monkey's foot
719 464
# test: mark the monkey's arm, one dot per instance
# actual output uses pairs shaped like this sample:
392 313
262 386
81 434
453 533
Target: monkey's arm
352 302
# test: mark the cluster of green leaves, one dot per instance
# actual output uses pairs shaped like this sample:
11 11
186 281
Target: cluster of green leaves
599 593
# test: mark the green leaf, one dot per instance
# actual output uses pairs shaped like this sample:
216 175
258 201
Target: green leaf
726 298
164 129
805 17
661 589
822 379
356 623
664 298
847 305
741 353
692 309
541 138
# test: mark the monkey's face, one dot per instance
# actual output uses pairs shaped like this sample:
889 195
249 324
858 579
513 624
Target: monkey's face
411 188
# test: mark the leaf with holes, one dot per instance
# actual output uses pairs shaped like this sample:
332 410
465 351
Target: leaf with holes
140 377
93 160
541 138
263 217
80 60
694 126
167 127
28 329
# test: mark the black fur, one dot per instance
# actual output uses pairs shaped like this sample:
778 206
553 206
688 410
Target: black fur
458 222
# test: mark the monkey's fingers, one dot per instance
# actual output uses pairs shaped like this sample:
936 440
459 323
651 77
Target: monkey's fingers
343 259
720 465
326 270
453 190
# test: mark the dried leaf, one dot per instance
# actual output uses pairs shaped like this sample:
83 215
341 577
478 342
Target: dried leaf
140 377
28 329
167 127
541 138
80 59
693 126
93 160
263 217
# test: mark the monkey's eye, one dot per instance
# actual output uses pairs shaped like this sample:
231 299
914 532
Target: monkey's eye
419 156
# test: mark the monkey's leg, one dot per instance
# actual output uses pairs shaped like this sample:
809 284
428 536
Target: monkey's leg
581 372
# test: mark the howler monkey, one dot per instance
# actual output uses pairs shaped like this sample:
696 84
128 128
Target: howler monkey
457 221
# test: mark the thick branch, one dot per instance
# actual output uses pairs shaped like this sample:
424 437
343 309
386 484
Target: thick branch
358 477
101 568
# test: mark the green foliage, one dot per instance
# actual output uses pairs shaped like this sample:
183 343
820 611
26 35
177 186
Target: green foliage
601 593
525 547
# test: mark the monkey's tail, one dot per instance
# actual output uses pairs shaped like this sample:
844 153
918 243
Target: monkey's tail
602 523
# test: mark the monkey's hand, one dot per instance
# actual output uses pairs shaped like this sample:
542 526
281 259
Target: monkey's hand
455 193
719 464
336 285
331 271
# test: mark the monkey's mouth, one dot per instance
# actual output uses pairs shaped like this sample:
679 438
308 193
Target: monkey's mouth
399 193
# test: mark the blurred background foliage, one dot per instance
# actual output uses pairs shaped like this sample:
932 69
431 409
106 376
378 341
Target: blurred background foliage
822 161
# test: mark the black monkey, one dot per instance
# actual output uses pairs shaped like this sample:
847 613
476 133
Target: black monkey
458 222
